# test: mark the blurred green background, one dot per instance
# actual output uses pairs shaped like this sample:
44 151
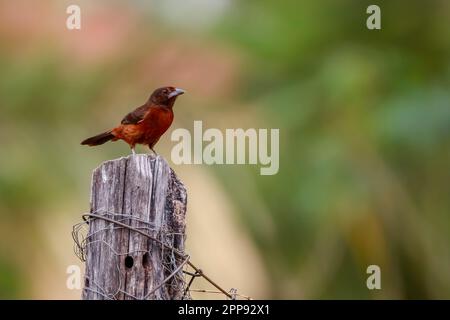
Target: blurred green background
364 119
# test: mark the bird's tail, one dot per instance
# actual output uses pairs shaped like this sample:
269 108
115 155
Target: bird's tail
98 139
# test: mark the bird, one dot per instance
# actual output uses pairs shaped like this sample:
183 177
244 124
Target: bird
144 125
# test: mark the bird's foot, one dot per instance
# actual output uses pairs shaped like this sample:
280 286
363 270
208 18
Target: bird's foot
133 152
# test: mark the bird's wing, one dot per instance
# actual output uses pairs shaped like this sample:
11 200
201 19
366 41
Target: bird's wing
135 116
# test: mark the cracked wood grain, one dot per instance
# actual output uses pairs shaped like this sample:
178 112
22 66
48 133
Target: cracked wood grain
144 192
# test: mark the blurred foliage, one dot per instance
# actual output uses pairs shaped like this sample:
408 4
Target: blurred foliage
10 284
364 120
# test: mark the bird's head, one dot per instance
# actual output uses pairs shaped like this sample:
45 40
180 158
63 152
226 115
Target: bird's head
165 96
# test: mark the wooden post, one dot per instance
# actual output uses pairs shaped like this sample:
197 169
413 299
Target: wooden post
142 192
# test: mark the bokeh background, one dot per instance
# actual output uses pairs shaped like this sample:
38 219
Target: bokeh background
364 119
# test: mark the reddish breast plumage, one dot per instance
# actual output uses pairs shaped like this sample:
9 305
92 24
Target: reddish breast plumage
155 124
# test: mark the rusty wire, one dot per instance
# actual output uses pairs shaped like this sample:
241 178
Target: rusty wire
82 240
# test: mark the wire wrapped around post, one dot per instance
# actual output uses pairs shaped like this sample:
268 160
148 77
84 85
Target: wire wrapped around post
133 239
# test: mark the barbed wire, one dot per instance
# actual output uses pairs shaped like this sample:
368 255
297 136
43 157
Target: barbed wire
176 263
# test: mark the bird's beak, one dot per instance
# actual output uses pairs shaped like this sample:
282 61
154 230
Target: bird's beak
176 92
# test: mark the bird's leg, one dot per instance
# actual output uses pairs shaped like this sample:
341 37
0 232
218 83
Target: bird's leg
132 150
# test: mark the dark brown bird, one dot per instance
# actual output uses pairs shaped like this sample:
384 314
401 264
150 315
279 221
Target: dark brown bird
146 124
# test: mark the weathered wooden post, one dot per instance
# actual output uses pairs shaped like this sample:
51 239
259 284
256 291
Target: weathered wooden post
134 248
